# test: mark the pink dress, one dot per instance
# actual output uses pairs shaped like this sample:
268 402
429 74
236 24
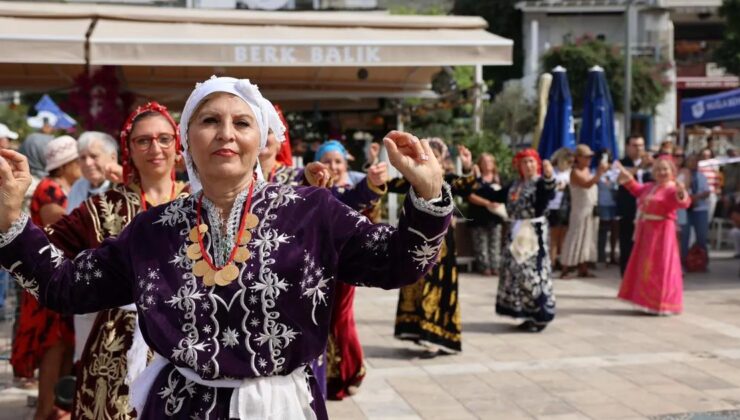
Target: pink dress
653 279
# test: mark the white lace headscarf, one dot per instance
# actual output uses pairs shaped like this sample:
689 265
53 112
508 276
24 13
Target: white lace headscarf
264 112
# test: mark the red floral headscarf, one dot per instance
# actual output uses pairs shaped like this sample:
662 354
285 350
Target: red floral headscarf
129 171
524 154
284 155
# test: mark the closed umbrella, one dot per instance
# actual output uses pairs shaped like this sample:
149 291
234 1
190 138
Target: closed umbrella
597 127
558 130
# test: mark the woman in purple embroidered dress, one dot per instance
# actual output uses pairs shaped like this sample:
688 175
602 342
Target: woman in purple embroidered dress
233 285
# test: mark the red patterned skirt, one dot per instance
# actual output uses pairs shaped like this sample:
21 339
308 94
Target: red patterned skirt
39 329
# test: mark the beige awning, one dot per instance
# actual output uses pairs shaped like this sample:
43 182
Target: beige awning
35 40
193 44
161 52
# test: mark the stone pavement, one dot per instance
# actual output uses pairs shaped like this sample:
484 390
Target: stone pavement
599 359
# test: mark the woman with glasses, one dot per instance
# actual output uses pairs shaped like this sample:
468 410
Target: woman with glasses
114 350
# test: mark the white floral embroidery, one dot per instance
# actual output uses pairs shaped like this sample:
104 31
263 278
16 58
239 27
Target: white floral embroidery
173 396
30 285
230 337
266 240
361 219
426 253
314 284
56 255
176 212
378 240
207 329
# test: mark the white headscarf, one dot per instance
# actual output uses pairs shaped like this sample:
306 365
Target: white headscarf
264 112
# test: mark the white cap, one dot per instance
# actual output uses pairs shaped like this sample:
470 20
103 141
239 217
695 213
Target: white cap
37 122
60 152
6 133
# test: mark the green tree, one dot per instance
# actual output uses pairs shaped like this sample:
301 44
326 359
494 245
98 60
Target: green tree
649 82
511 114
728 53
14 116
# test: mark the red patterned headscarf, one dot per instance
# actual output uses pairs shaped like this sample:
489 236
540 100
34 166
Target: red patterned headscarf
129 171
524 154
285 154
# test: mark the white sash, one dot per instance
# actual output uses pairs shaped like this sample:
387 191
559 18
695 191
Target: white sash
524 242
262 398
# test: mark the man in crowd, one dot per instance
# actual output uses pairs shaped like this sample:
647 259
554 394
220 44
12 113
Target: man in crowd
635 162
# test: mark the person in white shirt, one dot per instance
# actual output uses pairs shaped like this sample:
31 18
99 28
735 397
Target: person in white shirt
97 150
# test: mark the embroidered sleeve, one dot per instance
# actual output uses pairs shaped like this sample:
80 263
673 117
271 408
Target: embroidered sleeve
361 197
380 255
95 280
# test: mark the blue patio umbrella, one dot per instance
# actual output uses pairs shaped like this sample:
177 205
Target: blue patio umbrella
597 127
558 130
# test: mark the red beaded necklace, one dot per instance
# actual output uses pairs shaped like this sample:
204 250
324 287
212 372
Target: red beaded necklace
242 224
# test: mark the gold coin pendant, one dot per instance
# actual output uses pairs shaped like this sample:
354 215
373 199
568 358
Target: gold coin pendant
194 252
242 254
251 221
200 268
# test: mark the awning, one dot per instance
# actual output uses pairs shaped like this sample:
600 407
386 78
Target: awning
43 41
191 44
298 55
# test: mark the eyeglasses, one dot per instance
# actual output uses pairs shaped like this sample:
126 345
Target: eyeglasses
143 143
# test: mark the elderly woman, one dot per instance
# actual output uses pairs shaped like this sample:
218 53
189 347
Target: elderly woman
525 287
579 248
97 151
344 369
653 280
150 143
45 338
233 284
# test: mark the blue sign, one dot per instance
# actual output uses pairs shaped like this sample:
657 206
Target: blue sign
717 107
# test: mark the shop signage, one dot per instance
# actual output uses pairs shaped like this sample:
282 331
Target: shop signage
341 55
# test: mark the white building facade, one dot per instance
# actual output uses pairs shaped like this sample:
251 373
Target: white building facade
550 23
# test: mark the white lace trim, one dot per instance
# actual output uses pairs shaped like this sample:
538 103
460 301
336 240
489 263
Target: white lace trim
439 207
15 229
223 242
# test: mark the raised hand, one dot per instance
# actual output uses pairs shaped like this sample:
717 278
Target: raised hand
415 160
15 178
318 175
373 152
466 158
114 173
378 174
625 176
547 170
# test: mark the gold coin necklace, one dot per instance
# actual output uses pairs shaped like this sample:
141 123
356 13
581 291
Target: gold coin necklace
203 265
